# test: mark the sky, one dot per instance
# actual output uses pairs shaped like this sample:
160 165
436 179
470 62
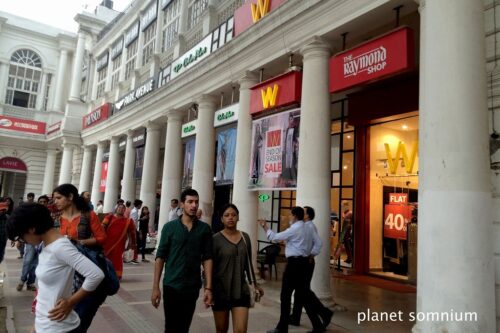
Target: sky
57 13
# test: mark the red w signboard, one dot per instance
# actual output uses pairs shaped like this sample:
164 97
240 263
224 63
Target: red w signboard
383 56
251 12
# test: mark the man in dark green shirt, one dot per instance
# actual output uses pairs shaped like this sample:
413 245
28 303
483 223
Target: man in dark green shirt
185 244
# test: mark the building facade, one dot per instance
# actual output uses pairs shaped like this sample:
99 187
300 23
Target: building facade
378 114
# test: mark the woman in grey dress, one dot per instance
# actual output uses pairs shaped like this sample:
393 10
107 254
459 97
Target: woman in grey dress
231 250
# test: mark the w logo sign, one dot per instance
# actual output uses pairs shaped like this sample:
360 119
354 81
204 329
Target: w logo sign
269 96
260 9
401 152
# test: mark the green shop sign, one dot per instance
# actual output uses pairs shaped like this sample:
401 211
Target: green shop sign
226 115
188 129
193 56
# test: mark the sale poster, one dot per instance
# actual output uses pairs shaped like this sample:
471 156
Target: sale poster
396 219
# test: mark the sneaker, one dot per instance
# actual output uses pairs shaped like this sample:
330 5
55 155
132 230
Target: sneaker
20 286
31 287
135 262
145 260
20 257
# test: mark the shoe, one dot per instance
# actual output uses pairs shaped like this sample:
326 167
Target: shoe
294 322
135 262
20 286
20 257
327 318
145 260
276 330
31 287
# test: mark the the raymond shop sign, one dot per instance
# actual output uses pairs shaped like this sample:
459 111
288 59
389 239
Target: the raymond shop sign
252 12
192 57
135 94
22 125
383 56
279 91
226 115
96 116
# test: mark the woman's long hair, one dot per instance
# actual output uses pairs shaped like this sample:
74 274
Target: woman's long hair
68 189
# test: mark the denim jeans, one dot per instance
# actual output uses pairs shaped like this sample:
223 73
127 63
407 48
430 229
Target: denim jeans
30 261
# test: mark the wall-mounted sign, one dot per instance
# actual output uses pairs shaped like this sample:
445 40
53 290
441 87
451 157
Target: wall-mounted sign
105 156
165 3
116 49
12 164
136 94
226 115
401 154
251 12
223 34
164 76
22 125
279 91
139 138
192 57
55 127
131 34
383 56
396 219
102 61
148 16
98 115
122 145
189 129
139 162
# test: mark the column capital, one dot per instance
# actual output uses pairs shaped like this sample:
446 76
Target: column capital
206 100
88 148
173 115
102 144
130 133
152 126
315 47
115 139
248 79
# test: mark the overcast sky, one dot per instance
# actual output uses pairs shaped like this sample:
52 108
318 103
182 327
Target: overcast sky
57 13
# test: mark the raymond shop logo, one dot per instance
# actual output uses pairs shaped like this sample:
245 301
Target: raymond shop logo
371 62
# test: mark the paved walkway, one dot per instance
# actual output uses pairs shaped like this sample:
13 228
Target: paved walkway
131 311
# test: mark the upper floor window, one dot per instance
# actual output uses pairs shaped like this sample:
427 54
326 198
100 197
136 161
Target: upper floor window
115 76
131 55
149 44
101 81
196 9
170 24
23 84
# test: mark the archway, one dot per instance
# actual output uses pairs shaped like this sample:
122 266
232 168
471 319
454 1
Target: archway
13 173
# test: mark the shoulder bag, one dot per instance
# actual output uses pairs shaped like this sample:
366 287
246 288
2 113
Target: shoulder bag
254 293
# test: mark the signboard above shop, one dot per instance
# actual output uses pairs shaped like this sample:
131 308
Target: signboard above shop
102 61
378 58
192 57
226 115
96 116
279 91
12 164
189 129
252 12
139 138
148 16
22 125
135 94
131 34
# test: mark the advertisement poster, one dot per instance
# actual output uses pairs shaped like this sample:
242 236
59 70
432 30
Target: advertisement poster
226 155
275 151
187 174
396 219
139 162
104 177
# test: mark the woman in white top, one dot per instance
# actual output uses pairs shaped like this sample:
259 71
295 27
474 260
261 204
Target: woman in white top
31 223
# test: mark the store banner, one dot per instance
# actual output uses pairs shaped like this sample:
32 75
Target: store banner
398 198
282 90
226 156
139 162
54 128
383 56
275 151
396 219
251 12
12 164
187 174
189 129
104 177
98 115
226 115
22 125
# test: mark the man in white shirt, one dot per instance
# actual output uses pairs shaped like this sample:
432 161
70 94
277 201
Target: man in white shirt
175 210
300 246
134 216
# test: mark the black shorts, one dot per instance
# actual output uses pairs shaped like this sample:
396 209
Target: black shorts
226 305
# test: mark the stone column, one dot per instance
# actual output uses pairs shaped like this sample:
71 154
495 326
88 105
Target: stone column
61 69
113 180
245 200
4 75
183 18
455 241
66 164
76 77
172 167
313 177
128 189
150 169
96 193
204 155
41 92
86 169
50 168
159 31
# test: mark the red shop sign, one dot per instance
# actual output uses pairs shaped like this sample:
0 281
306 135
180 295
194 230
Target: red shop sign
396 219
387 55
12 164
22 125
279 91
398 198
96 116
251 12
104 177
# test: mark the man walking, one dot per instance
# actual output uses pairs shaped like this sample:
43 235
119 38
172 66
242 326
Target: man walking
185 245
175 211
134 215
300 245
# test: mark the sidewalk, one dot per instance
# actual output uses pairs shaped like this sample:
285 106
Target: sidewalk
131 311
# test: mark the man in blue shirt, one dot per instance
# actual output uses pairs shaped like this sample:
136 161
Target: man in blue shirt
300 246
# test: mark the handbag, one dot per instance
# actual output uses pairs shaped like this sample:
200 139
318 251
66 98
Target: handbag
254 293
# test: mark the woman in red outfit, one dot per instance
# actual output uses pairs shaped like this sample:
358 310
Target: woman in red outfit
80 225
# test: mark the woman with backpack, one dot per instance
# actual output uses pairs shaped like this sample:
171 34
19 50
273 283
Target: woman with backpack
81 226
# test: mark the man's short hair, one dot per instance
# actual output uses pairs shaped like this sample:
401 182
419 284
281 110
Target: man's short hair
310 212
190 192
128 203
120 201
31 195
137 202
298 212
43 197
174 201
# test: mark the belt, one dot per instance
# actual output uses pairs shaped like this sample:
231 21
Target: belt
297 257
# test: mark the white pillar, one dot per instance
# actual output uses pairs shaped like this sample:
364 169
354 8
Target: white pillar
204 155
128 189
113 180
96 193
66 164
41 92
61 69
50 168
77 166
159 31
76 77
313 177
150 169
86 169
172 167
4 75
245 200
455 245
183 18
